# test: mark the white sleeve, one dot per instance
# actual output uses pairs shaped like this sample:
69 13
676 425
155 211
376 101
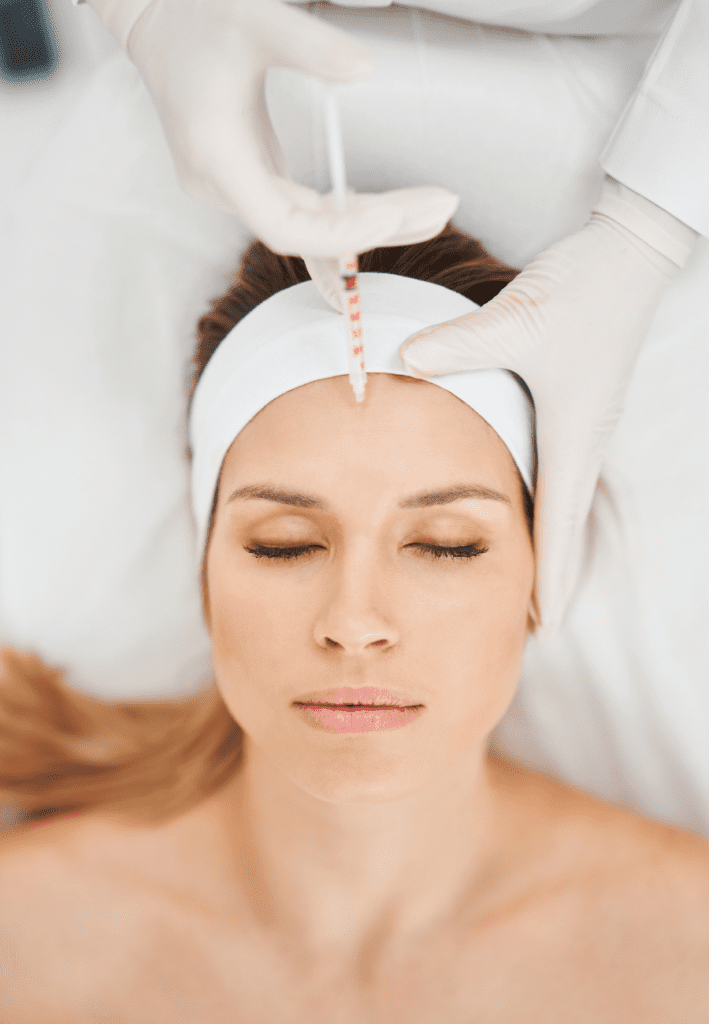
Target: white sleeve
660 146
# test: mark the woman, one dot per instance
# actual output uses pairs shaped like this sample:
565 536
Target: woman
317 861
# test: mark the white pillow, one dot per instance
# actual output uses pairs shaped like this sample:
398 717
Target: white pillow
106 268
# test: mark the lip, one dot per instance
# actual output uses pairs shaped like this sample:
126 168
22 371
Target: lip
360 718
357 709
370 696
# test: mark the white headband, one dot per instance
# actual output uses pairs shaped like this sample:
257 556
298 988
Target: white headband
295 338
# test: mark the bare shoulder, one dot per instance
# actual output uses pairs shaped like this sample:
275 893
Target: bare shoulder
64 923
30 861
660 877
629 883
647 896
33 854
34 892
66 859
588 822
626 849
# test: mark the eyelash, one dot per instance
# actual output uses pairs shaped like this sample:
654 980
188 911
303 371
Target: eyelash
436 551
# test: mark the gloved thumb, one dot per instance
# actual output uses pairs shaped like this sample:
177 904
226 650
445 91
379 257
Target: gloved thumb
477 341
325 274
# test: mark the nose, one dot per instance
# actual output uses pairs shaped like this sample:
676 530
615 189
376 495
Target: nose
357 614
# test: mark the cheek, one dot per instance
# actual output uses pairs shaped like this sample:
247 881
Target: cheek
255 627
472 635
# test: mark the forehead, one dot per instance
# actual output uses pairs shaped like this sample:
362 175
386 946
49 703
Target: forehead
406 433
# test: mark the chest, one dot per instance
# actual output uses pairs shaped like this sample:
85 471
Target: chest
114 963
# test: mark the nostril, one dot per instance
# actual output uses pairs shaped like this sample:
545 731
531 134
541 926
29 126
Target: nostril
374 643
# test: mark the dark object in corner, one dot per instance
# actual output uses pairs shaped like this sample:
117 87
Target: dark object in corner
28 45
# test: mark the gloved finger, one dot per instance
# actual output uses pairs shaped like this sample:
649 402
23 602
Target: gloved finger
237 175
425 214
291 38
245 176
324 274
426 209
301 221
486 337
505 332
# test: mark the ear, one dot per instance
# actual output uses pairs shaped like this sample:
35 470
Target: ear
533 617
204 587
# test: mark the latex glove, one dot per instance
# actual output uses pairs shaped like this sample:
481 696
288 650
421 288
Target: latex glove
414 228
571 325
204 64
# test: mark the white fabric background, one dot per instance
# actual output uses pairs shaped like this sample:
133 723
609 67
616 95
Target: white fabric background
106 267
569 17
660 144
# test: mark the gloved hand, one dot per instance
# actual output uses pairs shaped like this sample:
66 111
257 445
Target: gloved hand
204 64
571 325
325 273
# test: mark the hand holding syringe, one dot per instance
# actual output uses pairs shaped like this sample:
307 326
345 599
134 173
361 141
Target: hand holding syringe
347 265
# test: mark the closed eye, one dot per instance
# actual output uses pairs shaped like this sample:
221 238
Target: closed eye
441 551
264 551
436 551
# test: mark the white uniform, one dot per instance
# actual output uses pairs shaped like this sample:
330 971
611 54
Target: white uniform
660 146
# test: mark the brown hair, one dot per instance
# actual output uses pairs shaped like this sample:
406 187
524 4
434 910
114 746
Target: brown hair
61 750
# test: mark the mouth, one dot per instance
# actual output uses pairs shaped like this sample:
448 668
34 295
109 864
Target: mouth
362 709
351 698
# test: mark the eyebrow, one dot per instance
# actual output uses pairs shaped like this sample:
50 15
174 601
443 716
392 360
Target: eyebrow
423 499
451 494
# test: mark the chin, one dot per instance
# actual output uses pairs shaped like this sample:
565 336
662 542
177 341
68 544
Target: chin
351 778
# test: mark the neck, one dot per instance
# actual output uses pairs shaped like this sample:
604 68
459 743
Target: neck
333 876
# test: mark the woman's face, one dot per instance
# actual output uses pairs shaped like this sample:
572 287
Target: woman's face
329 569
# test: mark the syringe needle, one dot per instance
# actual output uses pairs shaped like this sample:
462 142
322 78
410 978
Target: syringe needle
347 265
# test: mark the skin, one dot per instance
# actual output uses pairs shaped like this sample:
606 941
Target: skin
383 876
368 607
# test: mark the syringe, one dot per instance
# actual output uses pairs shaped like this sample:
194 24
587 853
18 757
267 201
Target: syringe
346 265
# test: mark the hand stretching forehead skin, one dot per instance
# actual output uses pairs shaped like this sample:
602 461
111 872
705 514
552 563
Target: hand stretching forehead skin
360 500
